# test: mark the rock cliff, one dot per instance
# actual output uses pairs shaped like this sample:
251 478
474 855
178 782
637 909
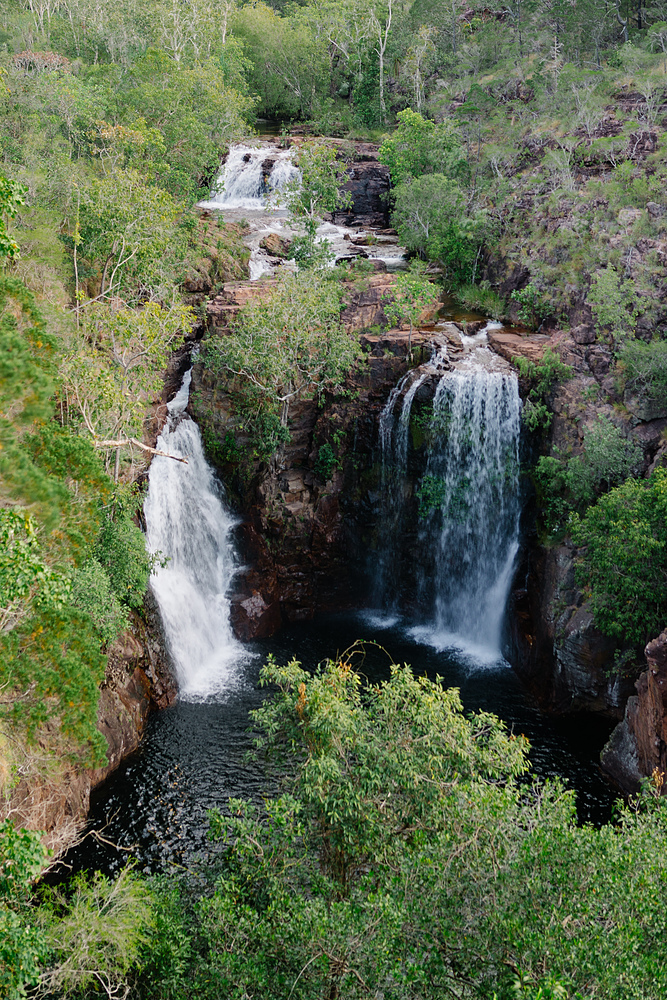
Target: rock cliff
138 678
556 648
307 518
638 746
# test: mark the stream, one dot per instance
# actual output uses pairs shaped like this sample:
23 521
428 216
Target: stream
193 755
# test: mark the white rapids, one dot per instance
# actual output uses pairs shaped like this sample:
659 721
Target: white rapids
188 524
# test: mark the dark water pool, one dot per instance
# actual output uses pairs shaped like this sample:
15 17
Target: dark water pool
193 755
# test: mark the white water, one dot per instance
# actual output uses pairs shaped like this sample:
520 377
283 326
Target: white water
187 522
246 189
245 183
474 528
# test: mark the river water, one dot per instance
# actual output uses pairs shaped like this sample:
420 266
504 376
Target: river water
193 755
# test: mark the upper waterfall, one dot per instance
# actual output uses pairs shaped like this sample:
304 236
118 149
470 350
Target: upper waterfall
187 523
250 176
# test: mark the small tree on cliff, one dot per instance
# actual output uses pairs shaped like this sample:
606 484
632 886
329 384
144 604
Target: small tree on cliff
316 191
410 297
291 346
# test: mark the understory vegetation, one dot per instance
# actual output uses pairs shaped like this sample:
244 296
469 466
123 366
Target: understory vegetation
409 853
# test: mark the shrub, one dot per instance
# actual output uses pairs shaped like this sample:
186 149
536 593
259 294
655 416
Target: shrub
420 146
643 369
624 563
564 486
326 462
121 551
482 298
533 306
430 216
613 303
93 594
542 379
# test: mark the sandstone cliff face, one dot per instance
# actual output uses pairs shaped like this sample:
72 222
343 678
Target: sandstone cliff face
638 746
138 679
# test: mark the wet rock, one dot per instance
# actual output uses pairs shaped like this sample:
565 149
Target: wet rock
253 618
275 245
367 183
474 327
307 518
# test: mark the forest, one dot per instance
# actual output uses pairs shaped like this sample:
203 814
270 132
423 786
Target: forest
406 850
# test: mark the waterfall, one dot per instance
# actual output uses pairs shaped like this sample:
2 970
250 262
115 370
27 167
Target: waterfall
394 452
470 495
250 176
187 523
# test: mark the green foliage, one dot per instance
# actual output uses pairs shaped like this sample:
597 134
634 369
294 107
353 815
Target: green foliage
542 379
624 562
93 594
53 667
419 146
564 486
23 572
431 494
407 855
533 307
308 197
483 299
98 934
121 550
23 945
114 362
12 196
430 216
326 462
288 347
643 370
125 230
411 295
614 303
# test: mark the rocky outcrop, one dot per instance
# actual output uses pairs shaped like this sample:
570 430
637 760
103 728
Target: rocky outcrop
638 746
368 186
138 678
216 253
275 245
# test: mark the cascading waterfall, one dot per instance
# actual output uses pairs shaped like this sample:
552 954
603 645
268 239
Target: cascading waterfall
187 523
250 176
393 435
471 485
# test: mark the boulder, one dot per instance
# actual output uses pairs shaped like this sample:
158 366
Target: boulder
628 216
583 334
275 245
367 182
513 345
